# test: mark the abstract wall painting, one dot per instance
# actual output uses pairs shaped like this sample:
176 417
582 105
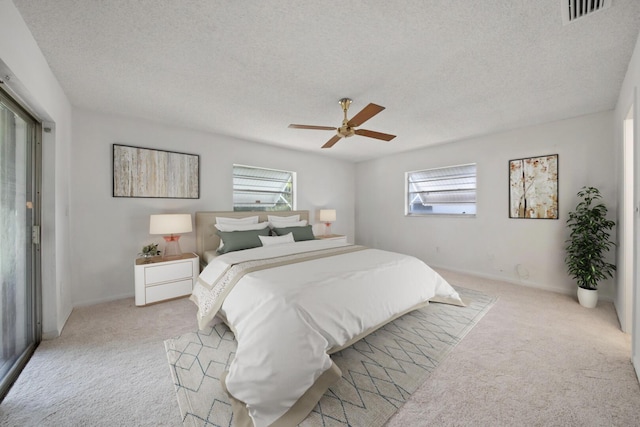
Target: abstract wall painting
533 187
143 172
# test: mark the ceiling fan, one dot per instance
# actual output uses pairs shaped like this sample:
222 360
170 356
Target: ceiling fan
348 127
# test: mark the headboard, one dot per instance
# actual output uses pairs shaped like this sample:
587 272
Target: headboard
208 240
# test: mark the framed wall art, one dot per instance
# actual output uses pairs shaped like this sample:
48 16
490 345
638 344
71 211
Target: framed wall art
533 187
144 172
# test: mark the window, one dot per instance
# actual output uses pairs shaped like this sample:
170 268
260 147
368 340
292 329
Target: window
259 189
442 191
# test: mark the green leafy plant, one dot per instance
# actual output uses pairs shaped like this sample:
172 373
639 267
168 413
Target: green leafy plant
589 240
150 250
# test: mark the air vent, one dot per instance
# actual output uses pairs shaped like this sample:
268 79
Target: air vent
575 9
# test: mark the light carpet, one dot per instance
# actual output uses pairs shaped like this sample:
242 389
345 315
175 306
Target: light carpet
379 372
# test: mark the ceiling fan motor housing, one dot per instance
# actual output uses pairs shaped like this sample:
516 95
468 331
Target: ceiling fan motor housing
346 131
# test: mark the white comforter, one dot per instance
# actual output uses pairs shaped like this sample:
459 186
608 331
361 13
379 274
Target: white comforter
287 319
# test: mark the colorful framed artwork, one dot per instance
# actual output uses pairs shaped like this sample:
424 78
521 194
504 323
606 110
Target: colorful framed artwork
533 187
144 172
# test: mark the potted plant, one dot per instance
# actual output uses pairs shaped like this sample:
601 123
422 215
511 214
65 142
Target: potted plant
149 251
588 244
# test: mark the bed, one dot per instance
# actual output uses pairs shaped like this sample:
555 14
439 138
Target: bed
291 301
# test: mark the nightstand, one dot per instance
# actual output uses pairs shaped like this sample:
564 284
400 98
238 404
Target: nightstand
332 237
158 280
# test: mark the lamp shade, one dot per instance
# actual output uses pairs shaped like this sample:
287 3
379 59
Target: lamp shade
170 224
327 215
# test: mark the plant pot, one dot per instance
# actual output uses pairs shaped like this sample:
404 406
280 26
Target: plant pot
588 298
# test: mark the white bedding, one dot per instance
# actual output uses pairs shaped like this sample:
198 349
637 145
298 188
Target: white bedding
288 318
210 255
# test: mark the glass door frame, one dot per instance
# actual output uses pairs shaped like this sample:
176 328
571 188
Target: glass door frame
35 268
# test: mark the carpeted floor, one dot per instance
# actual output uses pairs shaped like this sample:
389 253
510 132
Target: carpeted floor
536 359
379 372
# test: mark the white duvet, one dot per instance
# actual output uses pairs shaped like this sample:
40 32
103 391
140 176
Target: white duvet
288 318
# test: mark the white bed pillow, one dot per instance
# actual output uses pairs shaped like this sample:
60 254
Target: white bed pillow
276 240
291 218
247 220
241 227
283 224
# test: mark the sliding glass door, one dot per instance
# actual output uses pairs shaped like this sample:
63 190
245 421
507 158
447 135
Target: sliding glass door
19 242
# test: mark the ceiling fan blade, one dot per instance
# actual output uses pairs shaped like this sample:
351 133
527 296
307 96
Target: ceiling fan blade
365 114
312 127
330 143
373 134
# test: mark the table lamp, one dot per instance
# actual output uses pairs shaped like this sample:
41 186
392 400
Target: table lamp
171 225
327 216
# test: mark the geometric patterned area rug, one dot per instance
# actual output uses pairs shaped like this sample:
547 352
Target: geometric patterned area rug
379 372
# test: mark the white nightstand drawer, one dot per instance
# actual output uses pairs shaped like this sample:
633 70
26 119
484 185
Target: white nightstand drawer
169 290
168 272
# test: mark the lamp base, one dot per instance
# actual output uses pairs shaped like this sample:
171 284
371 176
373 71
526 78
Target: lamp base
172 247
327 228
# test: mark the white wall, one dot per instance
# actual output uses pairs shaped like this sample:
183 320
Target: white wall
108 232
523 251
628 92
33 82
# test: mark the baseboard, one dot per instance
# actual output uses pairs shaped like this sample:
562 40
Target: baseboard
502 279
635 361
50 335
571 292
103 300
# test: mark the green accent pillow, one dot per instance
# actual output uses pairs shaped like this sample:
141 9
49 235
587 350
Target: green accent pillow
238 240
299 233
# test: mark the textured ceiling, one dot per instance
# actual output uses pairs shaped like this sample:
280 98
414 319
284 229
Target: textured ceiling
444 69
